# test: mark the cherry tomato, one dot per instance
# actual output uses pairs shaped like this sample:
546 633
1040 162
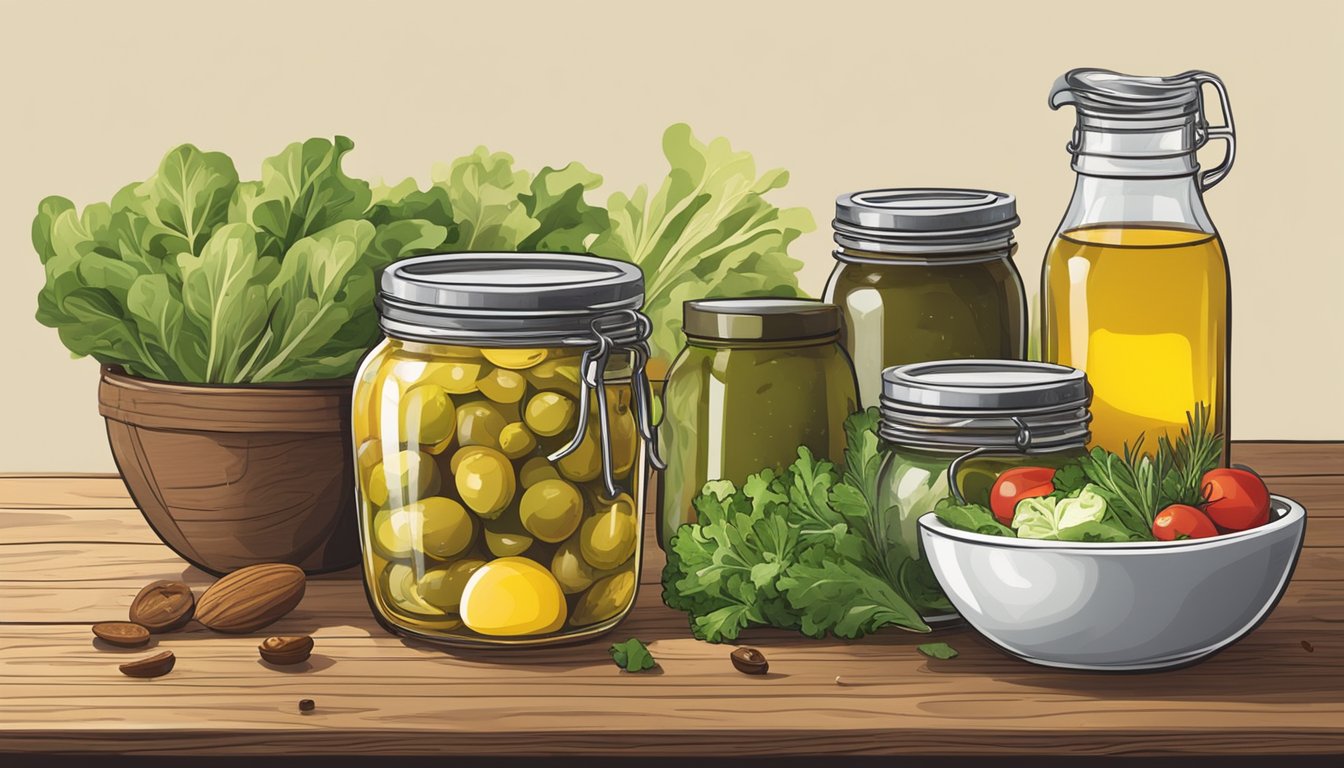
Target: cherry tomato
1017 484
1238 499
1182 521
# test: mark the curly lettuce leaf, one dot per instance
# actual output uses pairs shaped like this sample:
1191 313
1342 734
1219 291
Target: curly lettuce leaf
224 291
971 517
840 597
708 231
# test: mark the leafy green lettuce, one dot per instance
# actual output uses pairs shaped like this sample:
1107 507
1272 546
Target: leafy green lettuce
195 275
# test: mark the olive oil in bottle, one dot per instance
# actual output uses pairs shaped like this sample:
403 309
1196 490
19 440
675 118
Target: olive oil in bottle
1143 310
1135 289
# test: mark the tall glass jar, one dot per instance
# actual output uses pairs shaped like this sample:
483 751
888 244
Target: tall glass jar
498 445
926 274
951 427
1135 286
757 379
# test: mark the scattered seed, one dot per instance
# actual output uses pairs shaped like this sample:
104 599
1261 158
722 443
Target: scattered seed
838 681
750 661
121 633
1308 647
151 666
307 705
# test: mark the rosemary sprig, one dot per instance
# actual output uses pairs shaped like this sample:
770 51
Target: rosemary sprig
1196 451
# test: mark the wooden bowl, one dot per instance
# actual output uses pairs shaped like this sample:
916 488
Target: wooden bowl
233 475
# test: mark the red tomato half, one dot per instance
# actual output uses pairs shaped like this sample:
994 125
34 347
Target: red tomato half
1181 521
1238 499
1017 484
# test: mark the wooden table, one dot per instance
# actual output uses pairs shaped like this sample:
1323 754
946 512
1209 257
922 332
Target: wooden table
73 550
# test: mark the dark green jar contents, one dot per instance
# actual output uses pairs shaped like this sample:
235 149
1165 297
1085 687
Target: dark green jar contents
926 274
757 379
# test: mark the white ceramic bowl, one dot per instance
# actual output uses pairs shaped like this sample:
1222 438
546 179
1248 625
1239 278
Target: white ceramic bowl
1130 606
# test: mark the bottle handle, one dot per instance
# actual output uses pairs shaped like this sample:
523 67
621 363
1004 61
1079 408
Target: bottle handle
1205 132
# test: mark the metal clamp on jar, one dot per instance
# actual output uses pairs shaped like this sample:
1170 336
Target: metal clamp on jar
496 506
952 426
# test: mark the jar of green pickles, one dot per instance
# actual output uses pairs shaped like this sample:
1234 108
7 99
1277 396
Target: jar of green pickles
926 274
757 379
950 428
500 434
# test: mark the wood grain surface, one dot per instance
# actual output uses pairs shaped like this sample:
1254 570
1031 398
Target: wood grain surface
74 551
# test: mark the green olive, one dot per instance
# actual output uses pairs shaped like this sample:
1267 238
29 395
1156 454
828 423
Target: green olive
442 587
556 374
535 470
485 482
607 538
551 510
585 463
624 436
516 359
436 526
516 441
479 423
571 570
503 385
399 586
404 477
549 413
458 376
427 412
506 538
605 599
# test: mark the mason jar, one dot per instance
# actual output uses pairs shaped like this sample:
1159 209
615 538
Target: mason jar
757 379
926 274
500 434
950 428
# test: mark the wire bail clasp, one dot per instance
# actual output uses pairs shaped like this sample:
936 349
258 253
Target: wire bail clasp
592 381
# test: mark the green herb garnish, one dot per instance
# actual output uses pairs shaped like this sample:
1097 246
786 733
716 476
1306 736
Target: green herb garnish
938 651
632 655
798 549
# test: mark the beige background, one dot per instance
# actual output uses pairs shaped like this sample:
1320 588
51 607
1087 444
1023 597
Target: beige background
844 95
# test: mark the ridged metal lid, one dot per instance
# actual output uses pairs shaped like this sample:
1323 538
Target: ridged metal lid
964 404
764 319
925 220
510 299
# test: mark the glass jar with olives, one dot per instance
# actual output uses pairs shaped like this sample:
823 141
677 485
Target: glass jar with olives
500 431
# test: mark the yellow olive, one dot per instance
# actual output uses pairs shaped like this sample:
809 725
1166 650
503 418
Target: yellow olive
556 374
516 441
368 455
437 526
608 537
461 453
535 470
457 376
551 510
516 359
402 478
443 587
427 412
585 463
502 385
605 599
479 423
400 588
624 435
549 413
571 570
485 481
506 537
513 596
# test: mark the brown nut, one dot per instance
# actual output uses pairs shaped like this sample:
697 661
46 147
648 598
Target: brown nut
163 606
750 661
293 649
151 666
251 598
125 634
307 705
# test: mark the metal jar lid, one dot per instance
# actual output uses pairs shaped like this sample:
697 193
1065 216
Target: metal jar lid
764 319
997 404
1102 92
511 299
925 221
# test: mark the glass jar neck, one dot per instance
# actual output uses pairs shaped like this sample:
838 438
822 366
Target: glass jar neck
1175 200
